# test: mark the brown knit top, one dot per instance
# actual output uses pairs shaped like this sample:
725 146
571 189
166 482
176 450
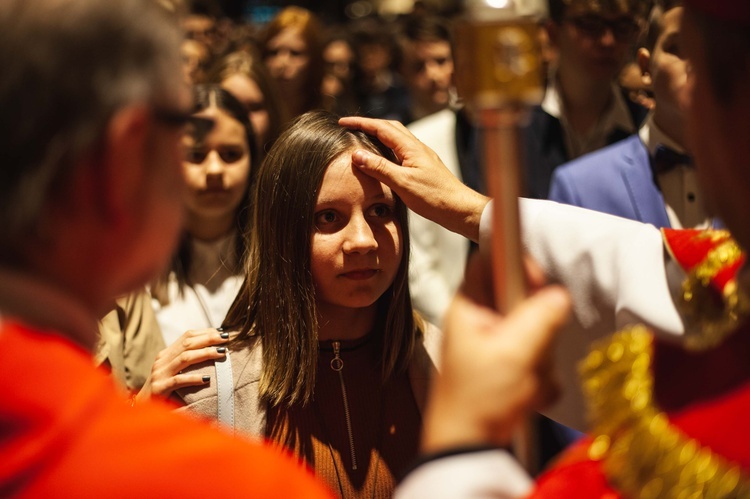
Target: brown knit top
384 419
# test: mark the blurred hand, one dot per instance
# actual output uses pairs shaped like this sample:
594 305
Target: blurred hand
193 347
494 369
422 180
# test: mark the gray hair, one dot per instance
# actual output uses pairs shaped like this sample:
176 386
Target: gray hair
67 67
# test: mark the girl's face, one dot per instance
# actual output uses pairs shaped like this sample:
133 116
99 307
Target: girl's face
287 58
216 169
249 94
356 240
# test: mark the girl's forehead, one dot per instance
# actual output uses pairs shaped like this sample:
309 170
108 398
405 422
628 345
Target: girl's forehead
343 178
225 126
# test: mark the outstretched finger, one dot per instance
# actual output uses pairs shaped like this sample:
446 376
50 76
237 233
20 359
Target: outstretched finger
193 357
377 167
200 338
180 380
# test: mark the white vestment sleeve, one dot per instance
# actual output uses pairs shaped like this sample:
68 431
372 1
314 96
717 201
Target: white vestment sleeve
482 474
617 273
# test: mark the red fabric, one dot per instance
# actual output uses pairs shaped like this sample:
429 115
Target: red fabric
65 431
707 394
733 11
689 247
574 476
721 425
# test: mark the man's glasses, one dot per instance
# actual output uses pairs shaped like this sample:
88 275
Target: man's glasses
624 29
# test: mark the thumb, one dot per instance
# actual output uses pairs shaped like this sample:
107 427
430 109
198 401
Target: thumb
377 167
536 320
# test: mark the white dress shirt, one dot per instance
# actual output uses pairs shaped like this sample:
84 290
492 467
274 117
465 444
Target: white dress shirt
679 186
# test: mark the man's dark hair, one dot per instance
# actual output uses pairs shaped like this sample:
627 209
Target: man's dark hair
66 72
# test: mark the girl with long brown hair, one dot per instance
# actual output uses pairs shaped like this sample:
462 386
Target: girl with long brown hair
328 358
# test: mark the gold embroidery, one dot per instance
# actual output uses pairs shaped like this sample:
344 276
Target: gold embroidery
713 314
643 454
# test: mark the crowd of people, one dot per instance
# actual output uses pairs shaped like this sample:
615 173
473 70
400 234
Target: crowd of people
253 250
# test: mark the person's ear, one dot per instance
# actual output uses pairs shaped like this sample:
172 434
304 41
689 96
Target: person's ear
124 162
643 58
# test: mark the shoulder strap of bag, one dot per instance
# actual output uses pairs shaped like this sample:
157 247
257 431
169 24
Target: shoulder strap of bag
225 392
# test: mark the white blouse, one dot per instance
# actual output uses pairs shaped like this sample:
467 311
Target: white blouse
207 301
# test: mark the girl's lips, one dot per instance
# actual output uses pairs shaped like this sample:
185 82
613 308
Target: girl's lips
359 275
214 191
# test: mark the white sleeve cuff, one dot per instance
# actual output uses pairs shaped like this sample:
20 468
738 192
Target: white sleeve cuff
489 473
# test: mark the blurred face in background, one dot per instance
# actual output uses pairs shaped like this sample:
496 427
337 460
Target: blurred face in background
374 58
247 91
200 28
669 71
195 60
427 68
594 44
339 58
216 169
288 59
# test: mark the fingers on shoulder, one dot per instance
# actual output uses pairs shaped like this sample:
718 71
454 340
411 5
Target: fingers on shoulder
200 338
182 380
189 358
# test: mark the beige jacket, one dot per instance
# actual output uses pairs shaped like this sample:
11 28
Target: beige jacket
129 339
250 411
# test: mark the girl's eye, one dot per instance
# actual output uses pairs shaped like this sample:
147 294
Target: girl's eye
325 219
381 211
231 155
195 156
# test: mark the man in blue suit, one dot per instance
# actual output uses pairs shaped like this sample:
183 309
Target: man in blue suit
646 177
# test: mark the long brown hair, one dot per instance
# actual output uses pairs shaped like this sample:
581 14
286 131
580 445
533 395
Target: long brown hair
277 299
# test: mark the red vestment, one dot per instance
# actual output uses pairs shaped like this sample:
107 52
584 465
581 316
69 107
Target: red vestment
65 431
670 421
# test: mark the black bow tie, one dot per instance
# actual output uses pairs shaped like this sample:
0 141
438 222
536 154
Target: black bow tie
665 159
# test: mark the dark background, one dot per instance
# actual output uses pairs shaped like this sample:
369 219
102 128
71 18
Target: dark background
260 11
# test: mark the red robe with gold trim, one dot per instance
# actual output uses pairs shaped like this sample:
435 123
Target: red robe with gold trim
668 421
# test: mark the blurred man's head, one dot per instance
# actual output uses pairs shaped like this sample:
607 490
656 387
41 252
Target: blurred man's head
716 41
200 23
427 63
92 92
595 37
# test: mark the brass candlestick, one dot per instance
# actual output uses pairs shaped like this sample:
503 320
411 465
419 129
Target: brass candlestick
499 76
